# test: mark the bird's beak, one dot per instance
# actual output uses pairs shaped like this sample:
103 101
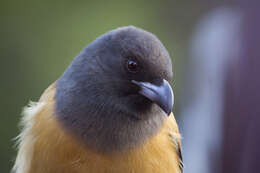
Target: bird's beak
161 94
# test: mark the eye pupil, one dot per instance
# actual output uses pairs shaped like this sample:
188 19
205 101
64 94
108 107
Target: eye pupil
132 66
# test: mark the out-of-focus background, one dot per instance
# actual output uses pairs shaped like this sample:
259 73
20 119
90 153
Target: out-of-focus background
214 46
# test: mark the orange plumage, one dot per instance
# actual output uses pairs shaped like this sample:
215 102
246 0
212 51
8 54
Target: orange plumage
55 151
110 112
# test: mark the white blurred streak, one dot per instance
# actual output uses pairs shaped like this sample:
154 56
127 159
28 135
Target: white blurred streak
214 42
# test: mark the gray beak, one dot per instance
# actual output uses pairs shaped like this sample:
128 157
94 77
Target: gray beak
161 94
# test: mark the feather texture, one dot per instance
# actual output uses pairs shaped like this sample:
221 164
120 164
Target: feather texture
45 147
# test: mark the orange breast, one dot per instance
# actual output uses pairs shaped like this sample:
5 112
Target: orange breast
56 151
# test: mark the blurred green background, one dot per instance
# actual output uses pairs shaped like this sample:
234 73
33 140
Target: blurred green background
40 38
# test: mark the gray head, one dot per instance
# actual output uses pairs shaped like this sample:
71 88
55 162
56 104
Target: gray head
115 94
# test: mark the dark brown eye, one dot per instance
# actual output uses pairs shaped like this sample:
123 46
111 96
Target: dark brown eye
132 66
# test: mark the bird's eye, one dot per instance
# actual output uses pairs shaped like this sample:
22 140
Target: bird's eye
132 66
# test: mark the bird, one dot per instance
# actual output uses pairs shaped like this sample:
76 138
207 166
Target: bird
109 112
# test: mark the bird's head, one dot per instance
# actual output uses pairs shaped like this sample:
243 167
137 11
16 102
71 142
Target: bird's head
115 94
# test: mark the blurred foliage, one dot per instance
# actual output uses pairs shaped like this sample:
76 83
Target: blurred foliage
40 38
